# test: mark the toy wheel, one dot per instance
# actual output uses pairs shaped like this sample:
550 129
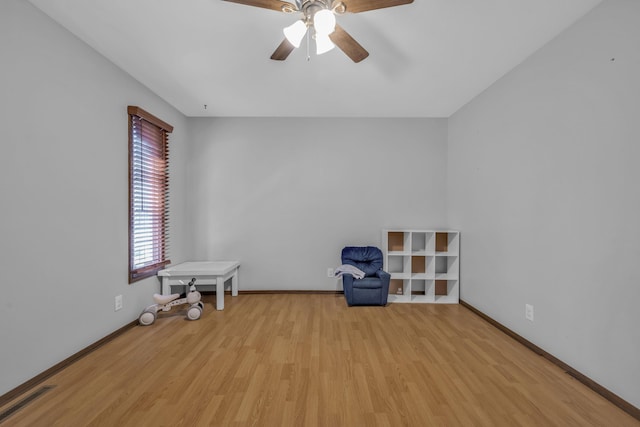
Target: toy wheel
194 312
147 318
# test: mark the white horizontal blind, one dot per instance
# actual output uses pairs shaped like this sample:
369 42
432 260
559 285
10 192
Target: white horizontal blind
149 195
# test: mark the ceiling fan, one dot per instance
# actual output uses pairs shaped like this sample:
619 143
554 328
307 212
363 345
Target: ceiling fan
320 15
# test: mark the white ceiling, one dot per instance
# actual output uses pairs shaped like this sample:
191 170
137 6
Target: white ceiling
427 59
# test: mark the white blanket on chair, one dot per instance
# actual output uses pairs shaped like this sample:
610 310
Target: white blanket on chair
349 269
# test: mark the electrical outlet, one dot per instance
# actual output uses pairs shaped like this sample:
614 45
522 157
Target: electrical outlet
118 302
528 312
330 272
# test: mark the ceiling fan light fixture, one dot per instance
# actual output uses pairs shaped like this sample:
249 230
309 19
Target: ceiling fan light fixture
324 21
295 32
323 43
320 14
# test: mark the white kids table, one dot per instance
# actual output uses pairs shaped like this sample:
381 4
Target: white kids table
205 273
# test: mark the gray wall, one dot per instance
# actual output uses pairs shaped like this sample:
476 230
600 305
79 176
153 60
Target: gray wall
64 187
285 195
543 182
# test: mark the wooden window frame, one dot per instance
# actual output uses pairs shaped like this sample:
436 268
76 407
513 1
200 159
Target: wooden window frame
154 135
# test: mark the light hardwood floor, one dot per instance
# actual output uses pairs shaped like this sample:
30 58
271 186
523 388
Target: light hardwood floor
309 360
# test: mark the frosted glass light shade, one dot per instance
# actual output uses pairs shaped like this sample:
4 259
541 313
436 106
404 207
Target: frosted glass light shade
324 21
295 32
323 44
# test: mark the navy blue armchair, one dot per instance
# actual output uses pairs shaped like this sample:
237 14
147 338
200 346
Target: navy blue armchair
372 289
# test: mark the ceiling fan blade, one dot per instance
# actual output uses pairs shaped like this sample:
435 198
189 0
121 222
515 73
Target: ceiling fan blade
355 6
283 51
348 44
267 4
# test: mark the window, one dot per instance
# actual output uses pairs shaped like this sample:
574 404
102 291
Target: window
148 193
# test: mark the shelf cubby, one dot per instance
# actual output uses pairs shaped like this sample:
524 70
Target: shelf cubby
446 291
396 286
446 242
397 264
396 241
418 264
418 243
442 242
441 288
441 265
418 287
418 290
399 290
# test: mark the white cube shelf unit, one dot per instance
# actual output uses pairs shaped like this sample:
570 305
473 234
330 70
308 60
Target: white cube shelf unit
424 265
